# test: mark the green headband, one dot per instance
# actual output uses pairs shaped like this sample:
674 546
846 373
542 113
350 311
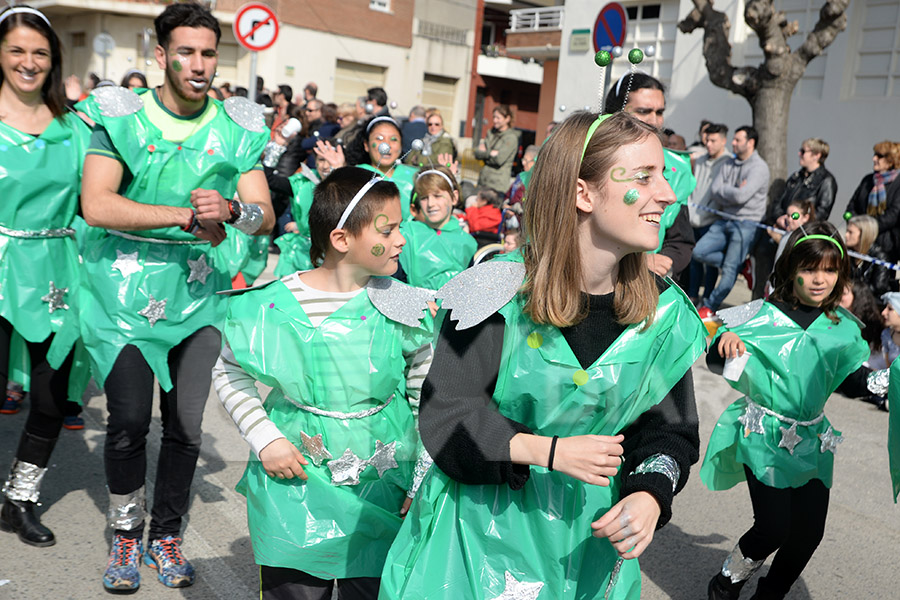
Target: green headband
590 133
819 236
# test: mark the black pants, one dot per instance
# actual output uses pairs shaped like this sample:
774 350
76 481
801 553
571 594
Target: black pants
49 394
277 583
129 396
791 521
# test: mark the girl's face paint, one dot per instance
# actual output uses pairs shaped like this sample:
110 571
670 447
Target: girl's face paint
631 196
813 286
384 133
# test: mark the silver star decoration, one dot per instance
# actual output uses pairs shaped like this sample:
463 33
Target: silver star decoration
752 419
55 297
516 590
199 270
789 438
830 441
346 469
383 459
127 263
315 449
154 311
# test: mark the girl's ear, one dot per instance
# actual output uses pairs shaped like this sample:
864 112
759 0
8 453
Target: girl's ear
583 201
340 240
455 197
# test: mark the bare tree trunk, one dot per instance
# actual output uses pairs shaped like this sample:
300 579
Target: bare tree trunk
771 109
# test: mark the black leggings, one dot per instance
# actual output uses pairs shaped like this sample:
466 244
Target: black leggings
789 520
129 398
278 583
49 393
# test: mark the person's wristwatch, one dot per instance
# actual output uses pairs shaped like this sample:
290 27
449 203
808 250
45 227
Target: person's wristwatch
234 207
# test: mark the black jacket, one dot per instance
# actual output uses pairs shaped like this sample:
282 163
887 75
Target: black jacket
888 237
820 186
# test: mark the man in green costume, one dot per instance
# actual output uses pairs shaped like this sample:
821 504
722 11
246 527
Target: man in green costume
158 175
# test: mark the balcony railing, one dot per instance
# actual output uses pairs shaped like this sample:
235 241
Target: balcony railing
535 19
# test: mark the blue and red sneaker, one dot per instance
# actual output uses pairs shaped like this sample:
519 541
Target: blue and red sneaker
122 574
15 396
165 555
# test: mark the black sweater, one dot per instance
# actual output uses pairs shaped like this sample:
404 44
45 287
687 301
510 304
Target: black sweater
468 438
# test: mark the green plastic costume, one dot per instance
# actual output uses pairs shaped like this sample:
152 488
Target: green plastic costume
154 288
894 427
791 372
40 181
464 542
341 521
242 253
404 177
432 257
679 175
295 246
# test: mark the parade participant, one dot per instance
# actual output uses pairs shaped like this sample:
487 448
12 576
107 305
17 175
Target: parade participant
437 248
787 355
525 407
42 148
161 165
345 350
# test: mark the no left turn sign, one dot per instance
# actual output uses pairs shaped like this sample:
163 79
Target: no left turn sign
255 27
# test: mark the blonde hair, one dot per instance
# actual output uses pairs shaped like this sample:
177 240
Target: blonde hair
868 231
817 146
890 151
553 263
428 183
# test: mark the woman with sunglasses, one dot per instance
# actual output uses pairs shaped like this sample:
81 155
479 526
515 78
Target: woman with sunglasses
878 195
437 142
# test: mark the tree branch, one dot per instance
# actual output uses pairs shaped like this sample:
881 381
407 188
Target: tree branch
832 21
717 49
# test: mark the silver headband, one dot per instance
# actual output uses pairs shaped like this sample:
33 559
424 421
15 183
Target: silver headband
382 119
359 196
436 172
25 9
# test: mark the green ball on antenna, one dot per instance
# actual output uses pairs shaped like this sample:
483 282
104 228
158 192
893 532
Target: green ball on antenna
848 215
795 216
635 56
603 58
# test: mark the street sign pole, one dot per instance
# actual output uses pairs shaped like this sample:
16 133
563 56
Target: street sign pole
251 89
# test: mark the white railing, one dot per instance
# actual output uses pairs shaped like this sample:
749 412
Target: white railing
536 19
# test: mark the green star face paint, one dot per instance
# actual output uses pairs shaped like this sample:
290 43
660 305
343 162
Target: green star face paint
631 196
377 250
799 281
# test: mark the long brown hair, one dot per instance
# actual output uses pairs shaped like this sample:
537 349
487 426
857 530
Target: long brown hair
553 262
52 91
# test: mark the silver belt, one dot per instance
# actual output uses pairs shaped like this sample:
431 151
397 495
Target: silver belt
38 233
334 414
151 240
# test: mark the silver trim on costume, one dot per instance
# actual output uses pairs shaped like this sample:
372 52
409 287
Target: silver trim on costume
127 511
24 481
151 240
877 382
613 578
480 291
334 414
752 420
251 219
739 568
663 464
117 101
246 113
37 233
738 315
273 153
398 301
423 465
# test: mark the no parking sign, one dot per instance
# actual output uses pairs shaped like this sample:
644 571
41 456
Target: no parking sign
609 28
255 27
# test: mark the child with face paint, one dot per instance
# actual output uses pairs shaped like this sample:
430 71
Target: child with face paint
787 355
437 247
560 407
345 350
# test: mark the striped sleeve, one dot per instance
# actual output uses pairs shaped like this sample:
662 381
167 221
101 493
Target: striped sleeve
238 394
418 363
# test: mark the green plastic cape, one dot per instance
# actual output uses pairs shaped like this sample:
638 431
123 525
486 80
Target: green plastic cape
791 371
894 427
459 541
127 277
679 175
353 361
432 257
404 177
295 246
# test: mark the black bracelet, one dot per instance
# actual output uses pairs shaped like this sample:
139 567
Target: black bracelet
552 452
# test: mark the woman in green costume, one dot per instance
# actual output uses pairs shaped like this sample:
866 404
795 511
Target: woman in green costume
787 355
41 149
437 246
345 350
560 411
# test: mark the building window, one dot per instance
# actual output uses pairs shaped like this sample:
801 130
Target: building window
78 39
643 12
877 72
380 5
650 24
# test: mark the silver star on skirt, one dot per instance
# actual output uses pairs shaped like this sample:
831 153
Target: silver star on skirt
55 298
789 438
154 311
830 441
752 419
383 459
519 590
346 469
199 270
127 263
315 449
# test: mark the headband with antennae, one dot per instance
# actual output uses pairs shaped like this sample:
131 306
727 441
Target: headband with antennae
383 119
820 236
25 10
359 196
436 172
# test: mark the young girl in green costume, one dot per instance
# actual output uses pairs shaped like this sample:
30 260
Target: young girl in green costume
796 349
559 410
437 247
345 350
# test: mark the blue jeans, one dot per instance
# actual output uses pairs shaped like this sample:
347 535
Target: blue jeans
725 246
700 274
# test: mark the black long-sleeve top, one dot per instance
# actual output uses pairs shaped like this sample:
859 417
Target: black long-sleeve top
854 386
468 438
678 242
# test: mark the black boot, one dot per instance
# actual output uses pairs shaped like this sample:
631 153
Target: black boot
18 516
764 591
721 588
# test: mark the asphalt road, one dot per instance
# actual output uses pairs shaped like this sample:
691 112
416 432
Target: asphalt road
853 561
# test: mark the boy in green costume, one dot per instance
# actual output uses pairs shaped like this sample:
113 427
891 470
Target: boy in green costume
437 246
345 350
160 173
787 355
560 412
